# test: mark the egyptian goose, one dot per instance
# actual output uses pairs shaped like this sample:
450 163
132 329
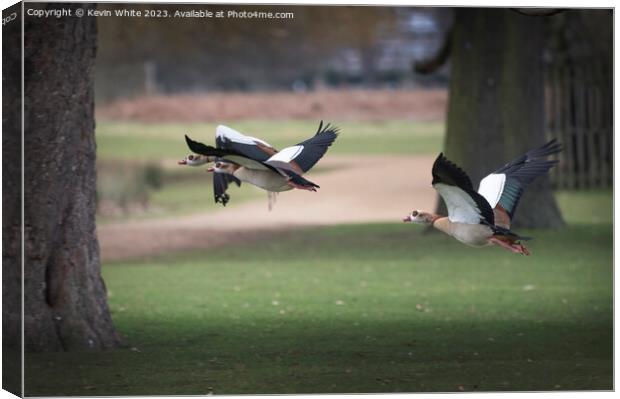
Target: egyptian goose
243 158
483 218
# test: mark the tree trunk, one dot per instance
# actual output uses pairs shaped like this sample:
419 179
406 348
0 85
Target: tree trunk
495 108
65 305
11 201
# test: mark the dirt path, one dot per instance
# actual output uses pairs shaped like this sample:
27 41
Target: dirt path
351 104
354 189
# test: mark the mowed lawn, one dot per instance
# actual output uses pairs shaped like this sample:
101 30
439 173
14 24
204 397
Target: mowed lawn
358 308
158 141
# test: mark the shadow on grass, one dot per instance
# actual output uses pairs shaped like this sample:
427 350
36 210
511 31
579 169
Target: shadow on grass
350 309
342 357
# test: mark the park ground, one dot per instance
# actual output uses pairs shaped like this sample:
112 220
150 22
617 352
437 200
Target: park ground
329 292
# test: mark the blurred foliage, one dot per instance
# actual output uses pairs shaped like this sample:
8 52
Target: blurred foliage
125 187
155 191
191 54
314 31
153 176
575 33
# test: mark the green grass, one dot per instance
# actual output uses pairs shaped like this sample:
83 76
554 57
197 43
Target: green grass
142 141
359 308
196 195
593 206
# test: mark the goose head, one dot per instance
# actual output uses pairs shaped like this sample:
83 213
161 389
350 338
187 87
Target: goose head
419 217
223 167
194 160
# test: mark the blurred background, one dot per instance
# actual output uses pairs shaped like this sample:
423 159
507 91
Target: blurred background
157 79
351 66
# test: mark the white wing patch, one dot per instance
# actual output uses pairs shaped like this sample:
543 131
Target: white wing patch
461 207
492 187
233 135
287 154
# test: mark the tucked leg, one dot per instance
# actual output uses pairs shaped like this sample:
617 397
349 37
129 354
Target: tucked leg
300 186
510 246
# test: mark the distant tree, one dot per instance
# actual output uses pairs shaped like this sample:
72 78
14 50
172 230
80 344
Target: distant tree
65 304
496 102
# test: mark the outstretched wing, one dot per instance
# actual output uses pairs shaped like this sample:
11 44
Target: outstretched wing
221 152
302 157
504 187
249 147
203 149
464 204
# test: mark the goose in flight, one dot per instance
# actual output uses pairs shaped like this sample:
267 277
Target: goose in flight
483 217
238 158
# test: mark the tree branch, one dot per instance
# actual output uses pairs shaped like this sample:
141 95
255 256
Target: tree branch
431 65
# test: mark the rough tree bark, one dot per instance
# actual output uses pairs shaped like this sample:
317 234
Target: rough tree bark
65 305
11 201
495 108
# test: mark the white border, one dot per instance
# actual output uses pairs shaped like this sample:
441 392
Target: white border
454 3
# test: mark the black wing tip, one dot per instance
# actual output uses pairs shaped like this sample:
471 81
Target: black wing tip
441 159
200 148
448 172
553 146
328 129
191 143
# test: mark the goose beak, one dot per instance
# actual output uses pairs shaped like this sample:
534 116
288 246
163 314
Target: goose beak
182 162
407 219
210 170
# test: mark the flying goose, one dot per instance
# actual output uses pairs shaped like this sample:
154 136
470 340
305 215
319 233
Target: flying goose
480 218
238 158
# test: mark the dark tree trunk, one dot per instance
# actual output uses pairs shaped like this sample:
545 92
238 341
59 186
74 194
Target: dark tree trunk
495 109
65 305
11 201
